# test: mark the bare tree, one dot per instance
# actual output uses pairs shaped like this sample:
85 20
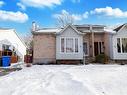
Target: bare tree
64 19
28 40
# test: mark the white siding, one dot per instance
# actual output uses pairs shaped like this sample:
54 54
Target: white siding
9 36
121 34
69 32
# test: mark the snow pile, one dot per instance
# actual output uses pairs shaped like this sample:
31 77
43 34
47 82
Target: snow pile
66 80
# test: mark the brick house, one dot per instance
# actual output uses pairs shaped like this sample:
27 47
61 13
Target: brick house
73 43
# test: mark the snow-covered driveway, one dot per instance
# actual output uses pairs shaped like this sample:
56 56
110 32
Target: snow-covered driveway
66 80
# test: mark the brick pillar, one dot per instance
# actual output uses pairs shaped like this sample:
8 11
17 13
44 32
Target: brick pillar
92 40
106 43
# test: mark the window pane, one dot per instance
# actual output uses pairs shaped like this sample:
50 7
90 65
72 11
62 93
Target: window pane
124 45
118 45
62 45
76 45
5 47
69 45
101 47
85 48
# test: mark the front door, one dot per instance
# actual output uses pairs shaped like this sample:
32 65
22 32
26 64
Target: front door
98 48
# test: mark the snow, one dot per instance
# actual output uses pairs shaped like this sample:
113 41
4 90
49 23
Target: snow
10 37
66 80
54 30
109 30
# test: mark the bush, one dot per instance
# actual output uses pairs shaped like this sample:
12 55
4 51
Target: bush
101 58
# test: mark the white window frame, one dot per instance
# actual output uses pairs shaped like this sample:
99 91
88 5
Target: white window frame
87 48
120 45
73 45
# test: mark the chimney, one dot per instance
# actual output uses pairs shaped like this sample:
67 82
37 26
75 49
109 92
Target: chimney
34 26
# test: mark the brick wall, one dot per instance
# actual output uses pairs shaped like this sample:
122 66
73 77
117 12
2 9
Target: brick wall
44 48
98 37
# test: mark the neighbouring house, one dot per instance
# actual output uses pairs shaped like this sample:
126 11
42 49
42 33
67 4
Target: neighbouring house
118 43
11 44
73 43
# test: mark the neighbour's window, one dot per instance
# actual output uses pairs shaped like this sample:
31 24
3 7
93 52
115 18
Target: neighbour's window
5 47
118 45
124 45
69 45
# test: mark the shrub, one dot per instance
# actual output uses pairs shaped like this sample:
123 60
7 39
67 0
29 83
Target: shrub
101 58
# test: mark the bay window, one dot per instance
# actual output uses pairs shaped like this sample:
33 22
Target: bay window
69 45
62 45
76 44
118 45
122 45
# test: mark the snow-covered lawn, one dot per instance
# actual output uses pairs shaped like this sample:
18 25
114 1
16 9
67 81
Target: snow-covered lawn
66 80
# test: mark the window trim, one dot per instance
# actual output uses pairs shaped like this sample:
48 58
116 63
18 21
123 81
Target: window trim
73 45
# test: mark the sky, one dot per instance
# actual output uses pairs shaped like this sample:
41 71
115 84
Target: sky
19 14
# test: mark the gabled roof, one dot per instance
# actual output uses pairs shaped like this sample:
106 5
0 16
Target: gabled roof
119 27
4 30
69 25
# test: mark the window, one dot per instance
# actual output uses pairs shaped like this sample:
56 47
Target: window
62 45
69 45
101 47
85 48
76 45
118 45
5 47
98 48
122 45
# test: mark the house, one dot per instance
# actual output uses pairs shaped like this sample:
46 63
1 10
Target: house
11 44
71 44
118 43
